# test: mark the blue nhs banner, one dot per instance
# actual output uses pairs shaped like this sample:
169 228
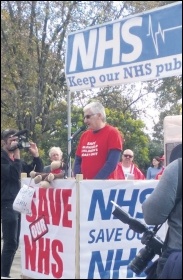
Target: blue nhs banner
137 48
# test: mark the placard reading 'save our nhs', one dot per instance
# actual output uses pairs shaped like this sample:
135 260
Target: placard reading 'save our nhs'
107 245
48 234
71 232
136 48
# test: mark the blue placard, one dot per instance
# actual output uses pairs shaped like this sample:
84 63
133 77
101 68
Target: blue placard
140 47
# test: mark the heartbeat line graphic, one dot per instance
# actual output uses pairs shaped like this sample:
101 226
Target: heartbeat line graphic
160 32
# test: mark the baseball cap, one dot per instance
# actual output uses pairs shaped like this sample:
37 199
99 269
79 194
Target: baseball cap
7 133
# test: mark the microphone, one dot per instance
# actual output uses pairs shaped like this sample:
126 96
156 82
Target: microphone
20 132
82 128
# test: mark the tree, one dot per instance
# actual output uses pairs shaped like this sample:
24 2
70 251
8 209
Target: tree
33 89
168 101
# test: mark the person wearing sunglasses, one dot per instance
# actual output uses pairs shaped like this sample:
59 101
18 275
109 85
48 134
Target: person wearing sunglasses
127 169
100 146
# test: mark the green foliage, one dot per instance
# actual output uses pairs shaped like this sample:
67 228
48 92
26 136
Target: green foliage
168 102
133 135
33 90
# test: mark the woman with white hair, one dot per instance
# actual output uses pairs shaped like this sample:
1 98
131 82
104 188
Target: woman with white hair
55 154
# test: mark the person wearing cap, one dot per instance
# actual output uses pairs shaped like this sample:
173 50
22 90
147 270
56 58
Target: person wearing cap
154 169
127 169
11 168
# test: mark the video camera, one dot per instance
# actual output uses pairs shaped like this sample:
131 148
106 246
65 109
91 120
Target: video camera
153 243
23 142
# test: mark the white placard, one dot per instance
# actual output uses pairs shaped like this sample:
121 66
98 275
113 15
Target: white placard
23 200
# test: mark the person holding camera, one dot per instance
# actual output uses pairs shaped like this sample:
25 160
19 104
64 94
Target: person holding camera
11 168
165 203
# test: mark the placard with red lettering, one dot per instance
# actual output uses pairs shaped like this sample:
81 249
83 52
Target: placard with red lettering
48 235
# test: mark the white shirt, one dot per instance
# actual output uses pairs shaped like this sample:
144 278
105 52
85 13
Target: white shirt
128 172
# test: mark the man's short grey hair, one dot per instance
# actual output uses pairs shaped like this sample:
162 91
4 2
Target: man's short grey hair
55 149
96 107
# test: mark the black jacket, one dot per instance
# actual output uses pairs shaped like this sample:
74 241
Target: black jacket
11 172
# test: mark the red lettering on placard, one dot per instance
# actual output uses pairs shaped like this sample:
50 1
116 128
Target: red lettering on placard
67 208
44 256
57 268
38 255
30 253
43 204
38 228
54 205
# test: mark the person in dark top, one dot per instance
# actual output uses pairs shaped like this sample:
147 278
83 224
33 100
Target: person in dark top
11 168
176 152
165 203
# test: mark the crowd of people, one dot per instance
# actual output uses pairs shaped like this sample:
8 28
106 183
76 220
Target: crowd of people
99 155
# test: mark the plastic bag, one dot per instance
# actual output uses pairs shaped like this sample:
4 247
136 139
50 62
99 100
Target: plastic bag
23 200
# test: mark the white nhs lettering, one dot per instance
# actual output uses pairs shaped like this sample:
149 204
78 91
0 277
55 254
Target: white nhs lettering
94 54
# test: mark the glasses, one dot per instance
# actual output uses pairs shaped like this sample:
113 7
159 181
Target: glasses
128 156
88 116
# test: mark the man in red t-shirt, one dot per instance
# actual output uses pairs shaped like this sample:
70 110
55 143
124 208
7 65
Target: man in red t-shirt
99 147
126 169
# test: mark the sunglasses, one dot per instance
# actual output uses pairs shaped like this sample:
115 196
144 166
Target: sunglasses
88 116
128 156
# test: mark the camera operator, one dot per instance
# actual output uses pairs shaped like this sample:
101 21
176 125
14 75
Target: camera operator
11 168
165 203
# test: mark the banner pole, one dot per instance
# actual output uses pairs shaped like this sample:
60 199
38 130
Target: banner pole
69 130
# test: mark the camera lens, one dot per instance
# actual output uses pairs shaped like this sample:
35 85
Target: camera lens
25 145
139 263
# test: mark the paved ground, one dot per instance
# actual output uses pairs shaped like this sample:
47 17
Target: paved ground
16 267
